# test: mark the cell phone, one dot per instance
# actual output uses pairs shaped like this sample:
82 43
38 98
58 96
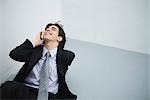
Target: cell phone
41 36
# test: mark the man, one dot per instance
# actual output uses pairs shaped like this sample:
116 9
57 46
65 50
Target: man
26 84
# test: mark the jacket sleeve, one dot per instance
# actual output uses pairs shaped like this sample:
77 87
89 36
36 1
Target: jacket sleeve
22 52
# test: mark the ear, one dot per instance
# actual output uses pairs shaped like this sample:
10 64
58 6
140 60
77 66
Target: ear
59 39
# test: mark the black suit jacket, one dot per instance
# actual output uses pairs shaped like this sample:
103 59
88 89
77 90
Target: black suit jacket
26 53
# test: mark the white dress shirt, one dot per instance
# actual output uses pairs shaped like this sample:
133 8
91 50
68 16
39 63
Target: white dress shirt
33 78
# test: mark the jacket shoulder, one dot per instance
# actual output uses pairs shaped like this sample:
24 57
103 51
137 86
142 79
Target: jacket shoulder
69 53
69 56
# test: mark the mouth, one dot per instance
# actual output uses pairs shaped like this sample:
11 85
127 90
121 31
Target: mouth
48 33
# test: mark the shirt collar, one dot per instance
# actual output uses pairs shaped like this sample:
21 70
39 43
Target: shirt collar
52 51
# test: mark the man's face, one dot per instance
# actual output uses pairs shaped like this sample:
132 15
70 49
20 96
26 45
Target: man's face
51 33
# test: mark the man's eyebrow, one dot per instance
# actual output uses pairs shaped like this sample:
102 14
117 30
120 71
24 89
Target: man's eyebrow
54 27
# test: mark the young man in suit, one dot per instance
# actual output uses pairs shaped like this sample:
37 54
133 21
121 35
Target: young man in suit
26 83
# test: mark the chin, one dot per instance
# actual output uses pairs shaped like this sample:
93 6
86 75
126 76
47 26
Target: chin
47 39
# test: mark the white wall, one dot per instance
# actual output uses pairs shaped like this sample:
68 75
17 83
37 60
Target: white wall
149 24
149 42
1 31
23 19
116 23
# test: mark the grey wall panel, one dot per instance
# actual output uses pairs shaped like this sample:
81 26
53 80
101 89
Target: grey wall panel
104 73
149 77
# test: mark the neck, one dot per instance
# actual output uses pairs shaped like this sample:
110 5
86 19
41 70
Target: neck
50 44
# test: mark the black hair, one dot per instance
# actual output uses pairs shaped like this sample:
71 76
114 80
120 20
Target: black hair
61 33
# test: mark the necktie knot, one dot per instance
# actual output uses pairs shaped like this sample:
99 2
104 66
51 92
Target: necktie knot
47 54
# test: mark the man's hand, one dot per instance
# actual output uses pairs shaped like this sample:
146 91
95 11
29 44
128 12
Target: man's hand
39 39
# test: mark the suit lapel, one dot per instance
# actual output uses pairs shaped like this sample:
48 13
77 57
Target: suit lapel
36 55
59 61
